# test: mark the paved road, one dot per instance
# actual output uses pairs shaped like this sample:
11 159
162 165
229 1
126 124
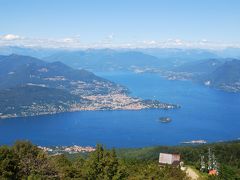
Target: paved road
192 174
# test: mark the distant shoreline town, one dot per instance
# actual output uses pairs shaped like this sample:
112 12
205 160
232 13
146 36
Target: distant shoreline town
98 103
56 150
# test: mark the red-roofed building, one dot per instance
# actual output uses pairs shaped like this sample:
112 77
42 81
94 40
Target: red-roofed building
213 172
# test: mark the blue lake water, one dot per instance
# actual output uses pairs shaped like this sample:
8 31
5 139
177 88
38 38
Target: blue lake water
206 113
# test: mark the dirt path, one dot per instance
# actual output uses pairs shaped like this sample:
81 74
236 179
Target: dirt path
192 174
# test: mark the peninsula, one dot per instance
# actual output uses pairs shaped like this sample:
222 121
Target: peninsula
33 87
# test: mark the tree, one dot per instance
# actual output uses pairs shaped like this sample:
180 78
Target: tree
104 165
33 161
8 163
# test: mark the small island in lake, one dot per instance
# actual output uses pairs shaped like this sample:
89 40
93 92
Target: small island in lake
195 142
165 119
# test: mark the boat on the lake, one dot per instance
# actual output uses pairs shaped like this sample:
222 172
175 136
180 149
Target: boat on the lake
165 119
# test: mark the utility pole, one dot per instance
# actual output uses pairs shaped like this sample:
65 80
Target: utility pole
203 166
209 159
214 162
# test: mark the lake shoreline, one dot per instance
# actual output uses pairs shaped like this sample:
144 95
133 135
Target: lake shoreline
204 115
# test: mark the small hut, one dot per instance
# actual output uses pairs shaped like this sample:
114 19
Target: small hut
169 159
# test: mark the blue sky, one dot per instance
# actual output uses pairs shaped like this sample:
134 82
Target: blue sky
120 21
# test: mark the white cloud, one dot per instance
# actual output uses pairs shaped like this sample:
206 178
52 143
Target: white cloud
10 37
110 41
204 40
151 42
68 40
179 42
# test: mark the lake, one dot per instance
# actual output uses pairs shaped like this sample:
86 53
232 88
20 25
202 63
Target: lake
206 114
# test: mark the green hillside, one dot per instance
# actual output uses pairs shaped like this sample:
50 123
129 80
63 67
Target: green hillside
26 161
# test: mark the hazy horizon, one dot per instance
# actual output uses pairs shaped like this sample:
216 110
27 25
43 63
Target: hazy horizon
126 24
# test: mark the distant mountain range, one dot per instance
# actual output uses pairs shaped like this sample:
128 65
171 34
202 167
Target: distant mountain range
181 55
200 66
218 73
131 59
122 59
27 51
108 60
197 64
29 86
226 77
